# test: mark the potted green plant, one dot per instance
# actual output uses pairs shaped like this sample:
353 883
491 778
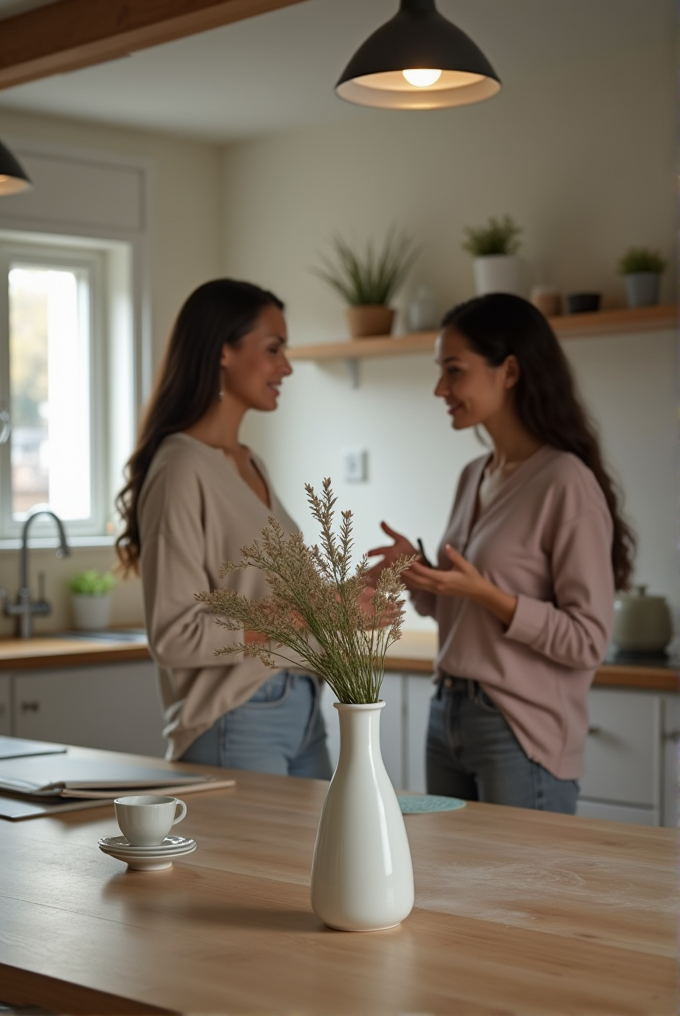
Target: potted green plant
367 279
494 249
642 269
91 598
320 612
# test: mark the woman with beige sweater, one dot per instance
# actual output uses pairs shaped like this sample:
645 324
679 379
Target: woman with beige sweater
524 584
195 496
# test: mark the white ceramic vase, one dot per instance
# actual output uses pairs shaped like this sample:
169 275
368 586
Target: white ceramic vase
362 876
499 273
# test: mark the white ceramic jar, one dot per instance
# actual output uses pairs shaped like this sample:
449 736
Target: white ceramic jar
641 623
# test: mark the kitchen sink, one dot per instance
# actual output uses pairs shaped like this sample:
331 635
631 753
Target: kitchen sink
111 635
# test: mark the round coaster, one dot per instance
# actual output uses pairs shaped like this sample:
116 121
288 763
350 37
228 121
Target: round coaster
416 804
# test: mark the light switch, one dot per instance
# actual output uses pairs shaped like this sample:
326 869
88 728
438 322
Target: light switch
355 465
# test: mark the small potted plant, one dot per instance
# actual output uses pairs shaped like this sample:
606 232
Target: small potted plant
91 597
642 269
494 249
367 279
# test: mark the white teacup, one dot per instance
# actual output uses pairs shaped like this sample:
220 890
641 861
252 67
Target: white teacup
146 821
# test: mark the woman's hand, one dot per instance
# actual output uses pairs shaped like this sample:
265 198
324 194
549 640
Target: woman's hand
400 548
463 579
388 616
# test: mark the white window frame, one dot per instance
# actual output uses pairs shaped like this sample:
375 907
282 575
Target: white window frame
62 255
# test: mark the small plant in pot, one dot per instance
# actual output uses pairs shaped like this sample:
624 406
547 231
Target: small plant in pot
494 249
91 598
642 269
367 279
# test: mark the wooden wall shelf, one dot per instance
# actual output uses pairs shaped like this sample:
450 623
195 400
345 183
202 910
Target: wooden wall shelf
605 322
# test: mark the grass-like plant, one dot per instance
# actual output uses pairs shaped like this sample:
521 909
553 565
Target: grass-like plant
91 583
365 277
641 259
315 607
499 236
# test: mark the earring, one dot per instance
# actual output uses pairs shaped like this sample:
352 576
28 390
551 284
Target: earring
220 395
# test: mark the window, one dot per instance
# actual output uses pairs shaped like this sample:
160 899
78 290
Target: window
66 379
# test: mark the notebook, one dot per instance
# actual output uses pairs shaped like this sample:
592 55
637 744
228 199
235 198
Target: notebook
60 782
17 747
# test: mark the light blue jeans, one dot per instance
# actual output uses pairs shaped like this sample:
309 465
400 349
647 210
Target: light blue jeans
279 730
472 753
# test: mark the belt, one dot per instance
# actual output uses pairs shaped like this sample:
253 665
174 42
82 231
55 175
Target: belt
450 684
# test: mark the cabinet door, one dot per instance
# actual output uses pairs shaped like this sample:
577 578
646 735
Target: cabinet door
5 705
622 763
115 707
670 812
618 813
391 727
419 691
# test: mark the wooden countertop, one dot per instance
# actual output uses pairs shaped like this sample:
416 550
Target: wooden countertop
414 652
517 912
60 651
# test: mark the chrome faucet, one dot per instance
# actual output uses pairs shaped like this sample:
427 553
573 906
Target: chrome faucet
24 608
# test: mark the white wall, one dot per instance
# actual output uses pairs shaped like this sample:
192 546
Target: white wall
584 161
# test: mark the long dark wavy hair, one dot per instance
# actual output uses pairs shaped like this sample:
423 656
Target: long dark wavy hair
216 314
499 325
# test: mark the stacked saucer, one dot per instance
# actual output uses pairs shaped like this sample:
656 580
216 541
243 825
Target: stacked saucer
147 858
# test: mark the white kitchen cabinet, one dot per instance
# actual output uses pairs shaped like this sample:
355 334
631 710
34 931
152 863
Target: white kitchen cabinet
5 704
418 690
670 765
622 761
631 757
113 706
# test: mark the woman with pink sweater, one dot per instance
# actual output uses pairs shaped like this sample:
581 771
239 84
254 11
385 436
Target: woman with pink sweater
524 583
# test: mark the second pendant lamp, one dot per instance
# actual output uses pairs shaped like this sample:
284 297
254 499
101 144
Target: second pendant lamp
418 60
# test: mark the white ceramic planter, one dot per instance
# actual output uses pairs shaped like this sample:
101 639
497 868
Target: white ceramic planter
91 612
642 288
362 876
499 273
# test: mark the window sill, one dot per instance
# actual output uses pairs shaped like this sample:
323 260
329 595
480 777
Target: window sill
49 542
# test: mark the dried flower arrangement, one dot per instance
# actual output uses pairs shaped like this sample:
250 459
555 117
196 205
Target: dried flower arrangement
315 608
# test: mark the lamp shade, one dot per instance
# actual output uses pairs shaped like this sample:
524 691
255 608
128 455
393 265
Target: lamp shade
390 70
13 177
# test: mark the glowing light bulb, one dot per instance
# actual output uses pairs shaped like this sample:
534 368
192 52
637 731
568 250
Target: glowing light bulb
421 77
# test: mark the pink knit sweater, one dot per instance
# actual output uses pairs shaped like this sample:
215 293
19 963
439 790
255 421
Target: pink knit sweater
546 538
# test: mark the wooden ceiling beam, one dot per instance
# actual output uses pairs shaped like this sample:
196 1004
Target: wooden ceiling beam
71 34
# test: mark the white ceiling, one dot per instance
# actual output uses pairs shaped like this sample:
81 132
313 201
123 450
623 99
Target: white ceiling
277 71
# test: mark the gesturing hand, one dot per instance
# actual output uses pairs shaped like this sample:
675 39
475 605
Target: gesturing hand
461 579
400 548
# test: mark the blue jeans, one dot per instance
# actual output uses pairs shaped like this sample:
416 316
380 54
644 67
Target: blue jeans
472 753
279 730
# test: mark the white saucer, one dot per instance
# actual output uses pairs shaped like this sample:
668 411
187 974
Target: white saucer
146 861
170 845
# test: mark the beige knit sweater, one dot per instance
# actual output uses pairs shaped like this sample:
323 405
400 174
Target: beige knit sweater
196 512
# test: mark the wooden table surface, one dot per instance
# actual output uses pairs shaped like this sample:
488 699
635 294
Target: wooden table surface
516 912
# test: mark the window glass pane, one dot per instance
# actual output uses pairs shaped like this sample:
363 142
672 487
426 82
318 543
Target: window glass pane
50 389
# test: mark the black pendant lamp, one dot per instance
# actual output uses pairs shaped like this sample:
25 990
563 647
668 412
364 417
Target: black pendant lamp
418 60
13 176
